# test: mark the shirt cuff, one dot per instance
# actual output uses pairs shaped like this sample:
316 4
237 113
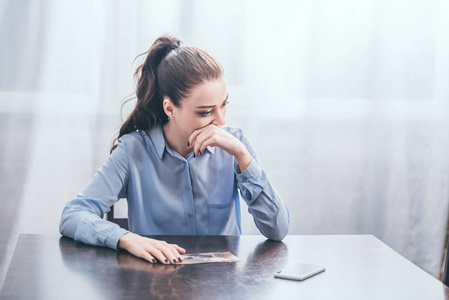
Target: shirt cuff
251 173
98 232
112 241
251 181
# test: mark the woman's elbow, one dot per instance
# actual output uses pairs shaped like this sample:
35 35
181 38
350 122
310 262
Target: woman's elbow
277 232
278 235
66 226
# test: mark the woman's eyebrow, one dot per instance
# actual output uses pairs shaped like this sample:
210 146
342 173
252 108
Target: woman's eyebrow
212 106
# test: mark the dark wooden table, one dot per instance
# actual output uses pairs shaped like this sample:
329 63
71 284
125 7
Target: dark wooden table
357 267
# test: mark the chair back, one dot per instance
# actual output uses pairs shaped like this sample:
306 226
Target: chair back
122 222
446 268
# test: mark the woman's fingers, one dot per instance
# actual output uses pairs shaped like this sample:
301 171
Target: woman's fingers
210 135
171 254
176 250
179 249
147 256
195 134
166 253
202 141
214 136
150 249
161 256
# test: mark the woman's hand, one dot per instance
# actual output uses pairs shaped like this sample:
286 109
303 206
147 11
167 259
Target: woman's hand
214 136
150 249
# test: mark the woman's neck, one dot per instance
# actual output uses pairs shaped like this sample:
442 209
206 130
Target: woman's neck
176 141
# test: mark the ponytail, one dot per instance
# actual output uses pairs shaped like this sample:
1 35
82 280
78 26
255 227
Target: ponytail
168 71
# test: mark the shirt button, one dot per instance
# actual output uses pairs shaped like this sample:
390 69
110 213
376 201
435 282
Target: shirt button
188 188
190 215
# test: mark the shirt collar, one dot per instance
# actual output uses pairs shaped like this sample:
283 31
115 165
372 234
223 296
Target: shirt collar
211 149
157 136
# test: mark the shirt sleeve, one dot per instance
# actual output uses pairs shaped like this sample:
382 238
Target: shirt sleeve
82 218
270 214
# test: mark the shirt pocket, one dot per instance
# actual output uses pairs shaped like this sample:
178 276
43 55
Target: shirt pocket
222 216
218 205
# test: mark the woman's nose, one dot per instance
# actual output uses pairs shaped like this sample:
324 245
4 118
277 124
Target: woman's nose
219 119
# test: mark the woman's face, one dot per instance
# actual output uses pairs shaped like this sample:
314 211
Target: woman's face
205 105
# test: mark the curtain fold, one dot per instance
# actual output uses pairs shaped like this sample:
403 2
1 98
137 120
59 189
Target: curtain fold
346 102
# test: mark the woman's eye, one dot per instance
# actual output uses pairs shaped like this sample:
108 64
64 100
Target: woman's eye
205 113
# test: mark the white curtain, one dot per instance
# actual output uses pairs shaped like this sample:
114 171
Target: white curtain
346 101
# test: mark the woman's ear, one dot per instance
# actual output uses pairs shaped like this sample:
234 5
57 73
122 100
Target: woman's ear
169 108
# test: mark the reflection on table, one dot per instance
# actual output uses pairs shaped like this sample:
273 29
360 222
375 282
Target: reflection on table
357 267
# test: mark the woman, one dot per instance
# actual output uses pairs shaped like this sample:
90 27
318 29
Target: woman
177 165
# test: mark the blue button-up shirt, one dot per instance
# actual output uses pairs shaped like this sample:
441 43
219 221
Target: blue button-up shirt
168 194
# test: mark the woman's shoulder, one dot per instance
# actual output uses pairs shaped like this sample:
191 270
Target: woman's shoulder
135 138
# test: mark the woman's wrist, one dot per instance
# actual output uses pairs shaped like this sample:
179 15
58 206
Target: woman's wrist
243 158
123 241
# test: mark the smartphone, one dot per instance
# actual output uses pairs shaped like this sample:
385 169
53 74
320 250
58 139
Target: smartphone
299 271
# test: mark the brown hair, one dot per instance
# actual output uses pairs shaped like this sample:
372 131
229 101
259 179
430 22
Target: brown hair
168 71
